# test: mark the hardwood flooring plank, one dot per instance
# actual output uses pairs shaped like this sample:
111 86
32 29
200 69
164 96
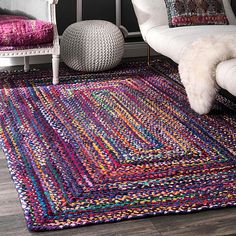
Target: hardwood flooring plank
129 228
211 222
13 225
2 156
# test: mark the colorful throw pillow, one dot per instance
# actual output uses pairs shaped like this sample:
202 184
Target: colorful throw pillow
196 12
21 31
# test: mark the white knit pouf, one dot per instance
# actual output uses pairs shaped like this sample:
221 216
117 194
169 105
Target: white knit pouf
92 45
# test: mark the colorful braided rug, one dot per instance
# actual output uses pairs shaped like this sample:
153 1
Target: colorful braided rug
112 146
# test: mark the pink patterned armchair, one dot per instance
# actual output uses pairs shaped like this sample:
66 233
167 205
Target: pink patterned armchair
28 28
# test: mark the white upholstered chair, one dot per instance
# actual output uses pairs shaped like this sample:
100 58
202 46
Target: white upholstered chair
36 9
172 42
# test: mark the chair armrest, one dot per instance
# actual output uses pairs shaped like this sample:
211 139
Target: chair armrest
150 13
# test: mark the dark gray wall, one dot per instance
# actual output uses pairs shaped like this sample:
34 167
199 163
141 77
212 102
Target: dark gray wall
66 14
234 5
99 9
95 9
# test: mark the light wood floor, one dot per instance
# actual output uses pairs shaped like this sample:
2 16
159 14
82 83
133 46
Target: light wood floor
207 223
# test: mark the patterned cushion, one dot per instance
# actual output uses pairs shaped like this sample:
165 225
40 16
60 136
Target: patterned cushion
196 12
21 31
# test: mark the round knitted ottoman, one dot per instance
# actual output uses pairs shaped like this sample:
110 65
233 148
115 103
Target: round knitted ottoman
92 45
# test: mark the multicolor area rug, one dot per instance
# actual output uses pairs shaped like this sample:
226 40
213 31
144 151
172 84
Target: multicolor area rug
112 146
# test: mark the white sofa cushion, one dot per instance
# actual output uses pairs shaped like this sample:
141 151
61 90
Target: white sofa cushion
226 75
152 13
172 42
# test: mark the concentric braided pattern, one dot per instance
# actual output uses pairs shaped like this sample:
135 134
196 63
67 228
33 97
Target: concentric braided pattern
112 146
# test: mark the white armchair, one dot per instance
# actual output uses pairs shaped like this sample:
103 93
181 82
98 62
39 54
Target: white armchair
36 9
172 42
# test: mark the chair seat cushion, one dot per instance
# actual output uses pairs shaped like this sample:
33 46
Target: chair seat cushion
172 42
21 31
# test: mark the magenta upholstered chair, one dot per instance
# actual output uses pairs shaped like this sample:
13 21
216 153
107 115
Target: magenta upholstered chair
28 28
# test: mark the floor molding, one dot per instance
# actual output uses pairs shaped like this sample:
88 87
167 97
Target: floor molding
134 49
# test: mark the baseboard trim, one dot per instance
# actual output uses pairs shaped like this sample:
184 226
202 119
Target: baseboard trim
17 61
132 49
138 49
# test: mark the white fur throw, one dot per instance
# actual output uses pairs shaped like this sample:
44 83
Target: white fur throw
197 69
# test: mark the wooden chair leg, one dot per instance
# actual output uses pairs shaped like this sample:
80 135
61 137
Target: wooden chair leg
26 64
55 69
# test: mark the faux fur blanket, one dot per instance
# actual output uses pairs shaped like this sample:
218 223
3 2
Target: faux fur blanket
197 69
